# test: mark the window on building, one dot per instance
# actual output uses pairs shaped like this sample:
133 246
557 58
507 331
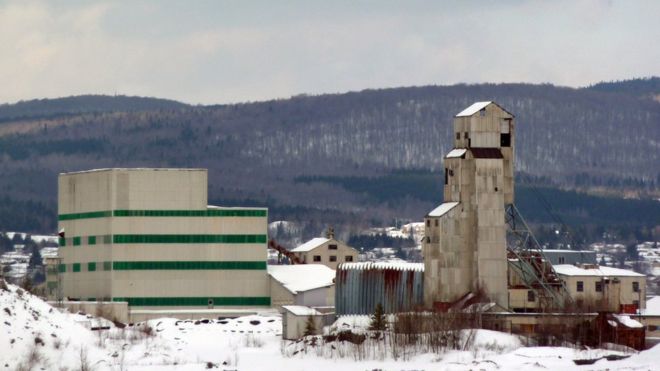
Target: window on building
531 296
562 260
580 286
446 176
636 286
332 247
348 258
437 222
505 140
466 135
458 136
428 222
333 258
482 113
317 258
599 286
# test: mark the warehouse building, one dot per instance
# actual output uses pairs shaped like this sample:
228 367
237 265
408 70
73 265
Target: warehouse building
570 256
600 288
396 286
148 237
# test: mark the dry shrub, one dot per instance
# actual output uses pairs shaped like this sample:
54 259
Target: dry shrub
32 359
147 330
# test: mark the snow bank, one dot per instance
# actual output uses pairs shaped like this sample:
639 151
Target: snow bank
29 325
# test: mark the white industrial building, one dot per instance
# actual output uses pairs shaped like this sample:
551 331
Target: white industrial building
596 287
149 238
311 285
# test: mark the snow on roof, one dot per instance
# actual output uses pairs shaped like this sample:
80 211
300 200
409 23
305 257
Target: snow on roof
311 244
572 270
443 208
652 307
300 310
302 277
48 252
474 108
627 321
456 152
396 265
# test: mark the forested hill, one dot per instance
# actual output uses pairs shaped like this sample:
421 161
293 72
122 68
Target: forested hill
644 88
48 108
265 152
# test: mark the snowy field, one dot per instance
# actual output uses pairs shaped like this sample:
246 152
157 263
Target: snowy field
37 336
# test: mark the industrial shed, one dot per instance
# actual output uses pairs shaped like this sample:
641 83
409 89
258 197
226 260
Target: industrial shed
397 286
294 321
309 285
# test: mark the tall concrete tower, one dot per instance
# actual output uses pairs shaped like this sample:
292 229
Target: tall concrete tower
465 246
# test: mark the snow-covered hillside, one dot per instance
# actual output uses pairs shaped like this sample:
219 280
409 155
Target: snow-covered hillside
38 335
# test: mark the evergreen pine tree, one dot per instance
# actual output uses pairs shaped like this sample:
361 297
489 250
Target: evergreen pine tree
310 327
378 321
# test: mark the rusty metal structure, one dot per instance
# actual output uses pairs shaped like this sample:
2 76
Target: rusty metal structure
360 287
284 252
526 259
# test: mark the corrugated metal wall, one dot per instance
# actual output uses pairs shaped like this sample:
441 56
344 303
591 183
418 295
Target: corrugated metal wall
359 287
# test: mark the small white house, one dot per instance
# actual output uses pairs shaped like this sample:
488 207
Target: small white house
309 285
326 251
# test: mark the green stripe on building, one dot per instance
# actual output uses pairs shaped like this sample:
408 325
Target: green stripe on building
188 265
167 213
195 301
189 238
89 215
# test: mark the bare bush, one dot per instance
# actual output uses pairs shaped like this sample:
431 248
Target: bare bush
251 341
147 330
32 359
84 360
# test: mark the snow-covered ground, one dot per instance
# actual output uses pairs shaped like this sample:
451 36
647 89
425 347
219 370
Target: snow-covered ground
31 329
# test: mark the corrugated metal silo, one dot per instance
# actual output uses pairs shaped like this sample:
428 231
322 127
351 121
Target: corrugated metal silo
397 286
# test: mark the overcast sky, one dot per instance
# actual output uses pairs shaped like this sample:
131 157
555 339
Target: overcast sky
233 51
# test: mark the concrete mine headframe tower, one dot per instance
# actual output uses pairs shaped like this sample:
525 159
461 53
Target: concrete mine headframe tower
466 247
465 244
